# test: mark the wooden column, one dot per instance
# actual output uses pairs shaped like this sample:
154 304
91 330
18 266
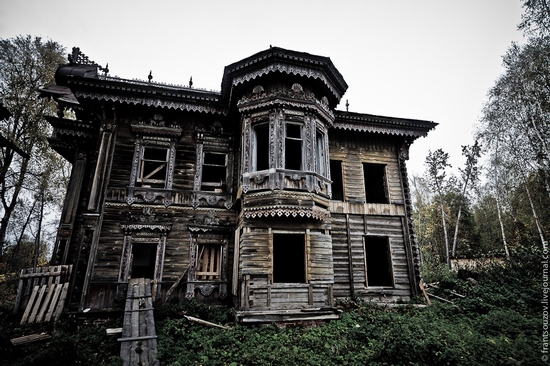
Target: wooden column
97 197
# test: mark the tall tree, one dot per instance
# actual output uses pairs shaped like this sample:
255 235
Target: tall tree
535 21
26 64
469 175
437 162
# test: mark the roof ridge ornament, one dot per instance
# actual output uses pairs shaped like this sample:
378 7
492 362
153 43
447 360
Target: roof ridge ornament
77 57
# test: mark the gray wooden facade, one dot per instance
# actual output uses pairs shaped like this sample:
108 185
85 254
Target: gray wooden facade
262 196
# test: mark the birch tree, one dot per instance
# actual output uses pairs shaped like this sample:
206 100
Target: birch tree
26 64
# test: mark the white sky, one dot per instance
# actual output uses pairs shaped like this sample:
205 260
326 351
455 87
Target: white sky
422 59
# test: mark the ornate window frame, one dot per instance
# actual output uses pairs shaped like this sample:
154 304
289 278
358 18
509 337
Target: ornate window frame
144 228
152 137
212 232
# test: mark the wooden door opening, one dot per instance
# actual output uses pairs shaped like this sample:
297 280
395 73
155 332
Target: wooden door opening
289 258
143 260
378 261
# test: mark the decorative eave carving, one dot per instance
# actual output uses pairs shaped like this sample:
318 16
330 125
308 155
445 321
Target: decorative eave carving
152 102
290 70
285 99
283 61
313 212
383 125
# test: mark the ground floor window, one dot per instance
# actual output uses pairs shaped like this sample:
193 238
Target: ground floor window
378 261
289 265
208 262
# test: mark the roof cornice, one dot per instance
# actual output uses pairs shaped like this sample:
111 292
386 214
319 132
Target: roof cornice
361 122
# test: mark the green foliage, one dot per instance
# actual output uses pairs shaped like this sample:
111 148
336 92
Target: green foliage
497 322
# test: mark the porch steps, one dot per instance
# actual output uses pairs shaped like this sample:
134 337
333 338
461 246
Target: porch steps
139 338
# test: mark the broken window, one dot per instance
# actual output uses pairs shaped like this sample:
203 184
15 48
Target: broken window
378 261
153 166
293 146
214 172
261 147
337 182
375 183
143 260
320 157
208 262
289 258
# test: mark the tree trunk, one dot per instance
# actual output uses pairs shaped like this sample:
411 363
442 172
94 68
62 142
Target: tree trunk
534 212
502 229
23 228
38 232
448 259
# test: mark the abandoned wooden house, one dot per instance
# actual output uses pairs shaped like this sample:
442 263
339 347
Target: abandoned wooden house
261 196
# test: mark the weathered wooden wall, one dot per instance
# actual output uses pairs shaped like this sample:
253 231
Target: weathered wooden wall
353 219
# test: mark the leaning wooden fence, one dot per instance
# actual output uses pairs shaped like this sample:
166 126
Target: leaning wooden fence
42 292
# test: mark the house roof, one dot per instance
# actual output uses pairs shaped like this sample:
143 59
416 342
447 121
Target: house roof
362 122
276 59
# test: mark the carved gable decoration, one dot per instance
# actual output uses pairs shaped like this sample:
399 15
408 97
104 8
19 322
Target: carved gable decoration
209 222
156 126
146 221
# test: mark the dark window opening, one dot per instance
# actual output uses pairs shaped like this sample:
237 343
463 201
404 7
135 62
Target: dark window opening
320 167
375 183
379 268
337 182
293 147
143 260
289 258
153 167
261 147
208 263
214 172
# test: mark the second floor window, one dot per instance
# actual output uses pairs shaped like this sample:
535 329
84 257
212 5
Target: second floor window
261 147
293 146
375 183
337 181
153 166
214 172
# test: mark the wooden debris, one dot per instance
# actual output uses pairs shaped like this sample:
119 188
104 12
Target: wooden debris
113 331
46 302
29 339
421 285
40 276
139 339
204 322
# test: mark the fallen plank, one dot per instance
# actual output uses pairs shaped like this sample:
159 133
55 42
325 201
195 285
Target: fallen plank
204 322
113 331
421 285
29 305
29 339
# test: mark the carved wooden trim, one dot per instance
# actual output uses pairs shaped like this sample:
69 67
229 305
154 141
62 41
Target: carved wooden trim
208 230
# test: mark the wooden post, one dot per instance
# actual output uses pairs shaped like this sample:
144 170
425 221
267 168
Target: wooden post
350 256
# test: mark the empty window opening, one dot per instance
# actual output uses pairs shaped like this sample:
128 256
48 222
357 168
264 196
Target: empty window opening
207 266
375 183
143 260
320 162
214 170
293 146
337 182
154 162
379 268
289 258
261 147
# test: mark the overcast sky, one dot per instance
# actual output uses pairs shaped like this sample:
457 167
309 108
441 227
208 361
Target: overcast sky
423 59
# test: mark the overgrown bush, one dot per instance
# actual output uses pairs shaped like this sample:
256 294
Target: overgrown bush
498 322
